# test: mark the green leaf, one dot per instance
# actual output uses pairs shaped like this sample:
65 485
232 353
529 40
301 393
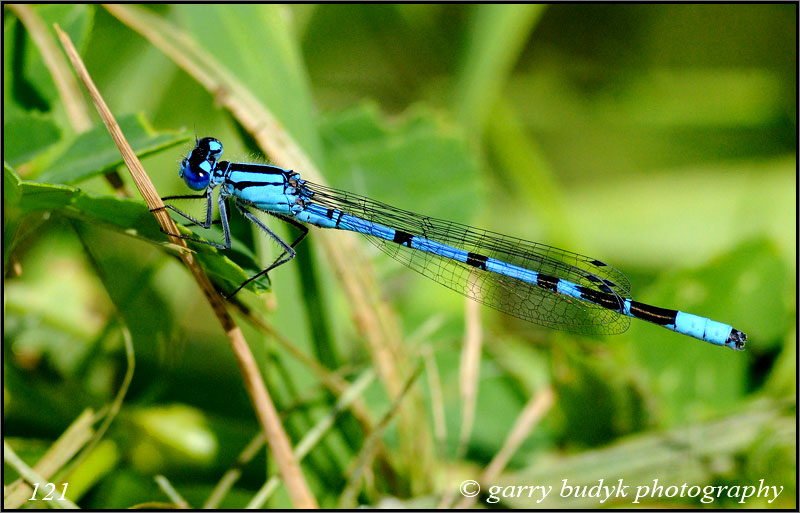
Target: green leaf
99 463
27 136
94 152
41 196
228 275
120 214
178 429
129 217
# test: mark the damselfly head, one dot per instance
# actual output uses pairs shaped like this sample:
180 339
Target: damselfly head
197 168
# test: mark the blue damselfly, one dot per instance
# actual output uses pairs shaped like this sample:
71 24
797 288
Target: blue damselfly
532 281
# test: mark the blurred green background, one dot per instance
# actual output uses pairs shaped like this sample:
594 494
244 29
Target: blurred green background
658 138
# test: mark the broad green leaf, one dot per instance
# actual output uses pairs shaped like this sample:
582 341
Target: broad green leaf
226 268
131 218
228 275
94 152
38 196
120 214
27 136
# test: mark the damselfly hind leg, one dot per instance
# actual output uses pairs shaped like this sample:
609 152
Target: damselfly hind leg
286 255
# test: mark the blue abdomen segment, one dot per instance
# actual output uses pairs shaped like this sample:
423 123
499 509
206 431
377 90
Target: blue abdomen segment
702 328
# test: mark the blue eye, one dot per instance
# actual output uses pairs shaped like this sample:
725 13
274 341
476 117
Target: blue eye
198 167
211 147
196 176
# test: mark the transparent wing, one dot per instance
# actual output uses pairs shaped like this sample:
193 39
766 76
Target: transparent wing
510 295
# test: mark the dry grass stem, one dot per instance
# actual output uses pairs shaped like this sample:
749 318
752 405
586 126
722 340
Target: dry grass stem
31 476
265 409
437 400
469 372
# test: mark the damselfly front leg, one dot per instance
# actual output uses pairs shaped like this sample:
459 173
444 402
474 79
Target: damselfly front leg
208 222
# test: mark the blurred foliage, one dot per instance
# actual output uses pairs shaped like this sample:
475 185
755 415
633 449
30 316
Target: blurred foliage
660 138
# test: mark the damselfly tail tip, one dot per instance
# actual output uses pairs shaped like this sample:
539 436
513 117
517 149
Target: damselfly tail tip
736 340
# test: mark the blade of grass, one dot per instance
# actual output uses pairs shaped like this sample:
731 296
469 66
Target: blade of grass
67 86
332 381
265 409
497 37
518 155
233 474
437 400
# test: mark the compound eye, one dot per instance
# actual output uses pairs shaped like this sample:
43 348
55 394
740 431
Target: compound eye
211 147
196 176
